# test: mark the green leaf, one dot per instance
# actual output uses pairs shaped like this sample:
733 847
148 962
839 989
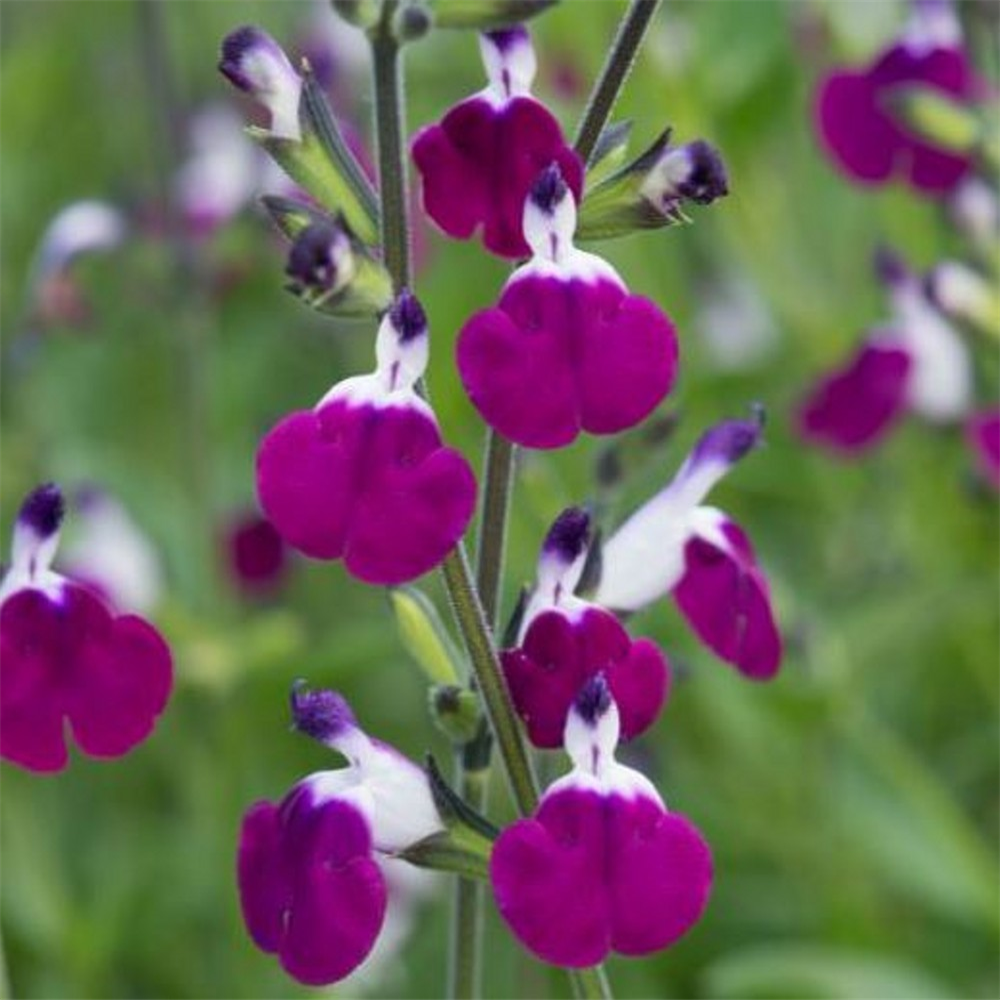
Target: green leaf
424 636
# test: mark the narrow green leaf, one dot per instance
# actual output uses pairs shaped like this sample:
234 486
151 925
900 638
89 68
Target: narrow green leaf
424 635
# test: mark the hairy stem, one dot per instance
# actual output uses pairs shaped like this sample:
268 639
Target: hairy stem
616 67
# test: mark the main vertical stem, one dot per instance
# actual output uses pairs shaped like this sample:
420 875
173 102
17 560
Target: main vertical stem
616 68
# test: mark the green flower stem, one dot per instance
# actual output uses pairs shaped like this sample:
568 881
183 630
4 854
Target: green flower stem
616 68
497 486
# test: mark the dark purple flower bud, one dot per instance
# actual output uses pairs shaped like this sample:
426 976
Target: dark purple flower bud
256 64
889 267
321 259
323 715
569 535
42 511
692 172
549 189
407 317
505 39
594 700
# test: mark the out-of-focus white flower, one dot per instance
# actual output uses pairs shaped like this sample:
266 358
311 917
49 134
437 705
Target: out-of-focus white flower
110 551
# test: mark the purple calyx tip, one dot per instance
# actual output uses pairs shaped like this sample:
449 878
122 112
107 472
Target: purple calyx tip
43 510
569 534
311 259
889 267
504 39
235 47
707 179
594 699
732 439
549 189
323 715
407 316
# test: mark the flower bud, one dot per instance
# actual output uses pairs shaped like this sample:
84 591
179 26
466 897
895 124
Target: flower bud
653 189
255 63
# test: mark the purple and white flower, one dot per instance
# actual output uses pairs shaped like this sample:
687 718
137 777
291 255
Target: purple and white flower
567 347
675 544
918 362
68 658
565 640
364 475
255 63
602 865
692 172
854 122
312 870
478 164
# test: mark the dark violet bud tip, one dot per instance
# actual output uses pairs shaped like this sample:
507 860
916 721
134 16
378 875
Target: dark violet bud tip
312 260
505 39
407 316
729 441
569 534
549 189
236 46
594 699
707 178
889 267
42 510
323 715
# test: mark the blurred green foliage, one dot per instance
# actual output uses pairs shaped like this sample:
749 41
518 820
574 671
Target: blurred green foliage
851 804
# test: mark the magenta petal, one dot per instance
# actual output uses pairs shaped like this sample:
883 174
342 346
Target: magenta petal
983 434
592 872
558 356
661 875
31 710
725 598
853 408
264 882
547 876
71 657
859 136
864 140
372 484
479 162
309 888
560 653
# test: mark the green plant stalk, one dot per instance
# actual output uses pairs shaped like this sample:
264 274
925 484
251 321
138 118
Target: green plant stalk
462 592
616 68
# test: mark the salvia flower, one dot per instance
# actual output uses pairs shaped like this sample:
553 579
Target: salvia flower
852 111
674 544
478 164
603 865
67 657
256 64
364 476
565 641
918 362
567 347
982 431
312 869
